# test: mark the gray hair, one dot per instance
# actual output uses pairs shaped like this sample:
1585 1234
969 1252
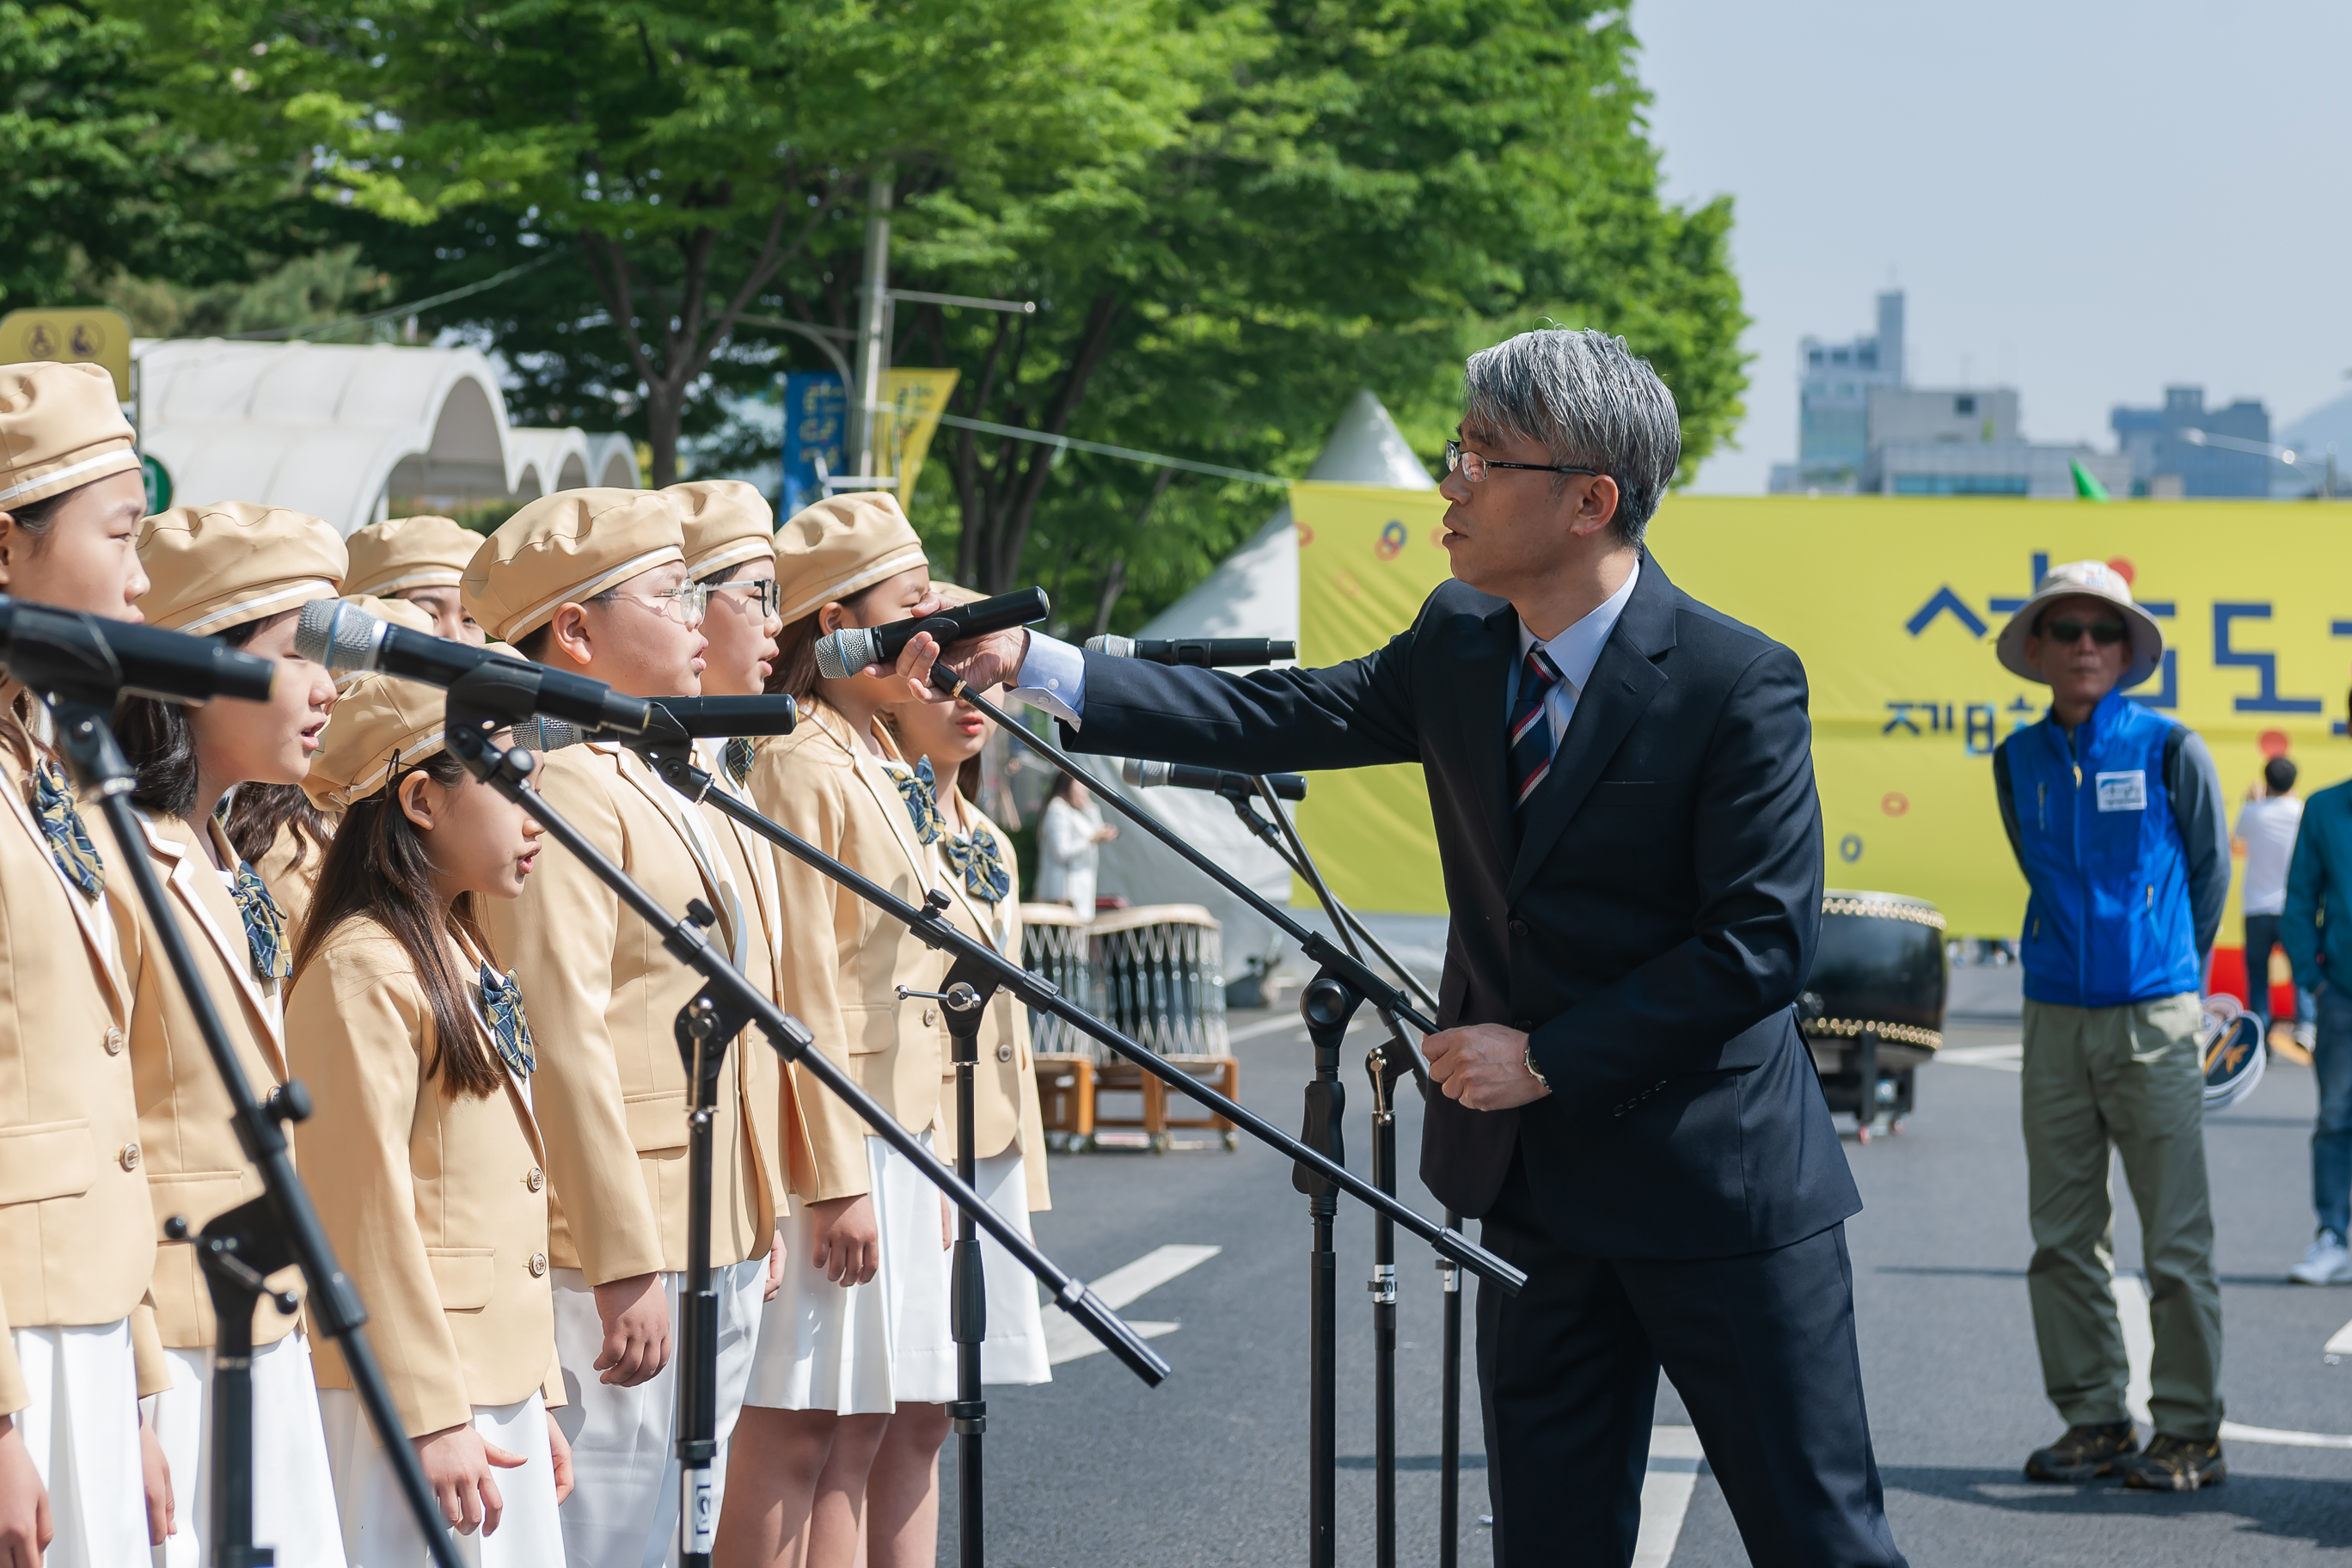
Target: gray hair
1591 403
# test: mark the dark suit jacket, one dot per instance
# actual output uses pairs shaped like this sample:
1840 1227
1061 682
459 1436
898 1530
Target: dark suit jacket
1651 928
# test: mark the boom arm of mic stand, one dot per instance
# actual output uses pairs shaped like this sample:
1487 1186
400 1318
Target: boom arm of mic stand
468 739
1344 966
937 933
1272 840
334 1305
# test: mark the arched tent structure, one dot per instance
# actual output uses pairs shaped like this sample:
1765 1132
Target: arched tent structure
1253 592
338 430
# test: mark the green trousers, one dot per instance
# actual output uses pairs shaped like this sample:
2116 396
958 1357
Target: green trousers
2129 1079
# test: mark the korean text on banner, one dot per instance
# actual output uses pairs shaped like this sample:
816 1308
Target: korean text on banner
1892 603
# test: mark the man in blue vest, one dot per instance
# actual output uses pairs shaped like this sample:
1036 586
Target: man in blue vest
2116 816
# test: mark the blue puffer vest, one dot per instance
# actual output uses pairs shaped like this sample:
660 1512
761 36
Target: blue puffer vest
2108 922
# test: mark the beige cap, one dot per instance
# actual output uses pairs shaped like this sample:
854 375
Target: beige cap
2096 580
727 522
381 723
213 567
409 552
840 545
567 547
60 429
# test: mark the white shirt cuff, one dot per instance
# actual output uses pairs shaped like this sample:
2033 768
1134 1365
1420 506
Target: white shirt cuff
1054 678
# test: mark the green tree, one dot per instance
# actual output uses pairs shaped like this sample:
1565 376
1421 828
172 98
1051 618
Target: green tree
689 153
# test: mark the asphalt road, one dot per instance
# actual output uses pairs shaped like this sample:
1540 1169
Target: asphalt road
1210 1468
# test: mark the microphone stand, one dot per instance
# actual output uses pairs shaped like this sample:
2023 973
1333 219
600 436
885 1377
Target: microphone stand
239 1249
487 699
1329 1004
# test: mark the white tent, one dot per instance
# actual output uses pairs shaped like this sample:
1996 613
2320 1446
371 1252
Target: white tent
338 430
1254 592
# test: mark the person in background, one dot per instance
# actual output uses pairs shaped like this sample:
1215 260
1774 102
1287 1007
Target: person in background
241 573
1069 840
421 559
2115 814
2316 927
77 1231
422 1154
2266 832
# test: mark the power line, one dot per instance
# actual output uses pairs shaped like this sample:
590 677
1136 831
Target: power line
412 308
1159 460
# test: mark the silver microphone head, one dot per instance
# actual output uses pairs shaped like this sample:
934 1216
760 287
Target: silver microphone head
1118 648
541 733
343 637
846 652
1148 776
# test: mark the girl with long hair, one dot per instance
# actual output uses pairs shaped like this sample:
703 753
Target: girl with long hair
240 572
422 1153
855 1344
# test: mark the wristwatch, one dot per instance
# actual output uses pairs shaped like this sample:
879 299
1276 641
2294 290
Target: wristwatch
1534 1071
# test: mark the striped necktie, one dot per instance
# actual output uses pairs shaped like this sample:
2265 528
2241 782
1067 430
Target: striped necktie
1531 740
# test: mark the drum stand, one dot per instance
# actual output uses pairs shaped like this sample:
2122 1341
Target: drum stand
238 1250
481 703
973 957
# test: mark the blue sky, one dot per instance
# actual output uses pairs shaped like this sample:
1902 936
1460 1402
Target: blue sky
2084 199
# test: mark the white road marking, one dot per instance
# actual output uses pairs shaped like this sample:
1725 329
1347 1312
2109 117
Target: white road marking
2000 1059
1263 1027
1065 1340
2139 1349
2339 1342
1674 1459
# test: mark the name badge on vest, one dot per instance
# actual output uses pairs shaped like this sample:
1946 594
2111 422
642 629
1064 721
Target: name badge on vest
2123 791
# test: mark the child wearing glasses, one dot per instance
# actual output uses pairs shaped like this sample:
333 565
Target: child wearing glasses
595 582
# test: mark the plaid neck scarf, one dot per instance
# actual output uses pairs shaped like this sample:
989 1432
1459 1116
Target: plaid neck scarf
978 860
502 1005
265 925
920 792
61 824
737 759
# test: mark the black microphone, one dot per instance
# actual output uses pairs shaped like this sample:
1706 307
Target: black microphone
852 649
1184 775
1209 653
676 719
346 639
92 658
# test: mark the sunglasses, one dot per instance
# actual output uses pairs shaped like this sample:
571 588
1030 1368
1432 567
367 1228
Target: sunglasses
2107 634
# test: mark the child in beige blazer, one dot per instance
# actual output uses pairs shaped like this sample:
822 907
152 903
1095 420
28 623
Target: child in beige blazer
423 1154
855 1344
241 573
76 1232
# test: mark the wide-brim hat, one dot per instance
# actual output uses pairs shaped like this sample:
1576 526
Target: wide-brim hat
2092 579
210 568
405 553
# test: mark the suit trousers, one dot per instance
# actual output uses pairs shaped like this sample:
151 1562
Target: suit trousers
1762 1349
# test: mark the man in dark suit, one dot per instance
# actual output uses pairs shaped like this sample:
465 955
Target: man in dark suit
1622 786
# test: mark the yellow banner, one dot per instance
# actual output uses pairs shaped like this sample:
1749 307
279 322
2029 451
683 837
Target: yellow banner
903 436
1892 603
91 336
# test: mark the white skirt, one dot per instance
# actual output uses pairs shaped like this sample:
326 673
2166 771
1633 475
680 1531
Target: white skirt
380 1532
293 1488
82 1430
1015 1351
863 1350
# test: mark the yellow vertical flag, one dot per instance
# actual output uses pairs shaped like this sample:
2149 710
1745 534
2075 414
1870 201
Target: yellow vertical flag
916 399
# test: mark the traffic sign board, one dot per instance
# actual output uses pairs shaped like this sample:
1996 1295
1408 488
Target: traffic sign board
95 337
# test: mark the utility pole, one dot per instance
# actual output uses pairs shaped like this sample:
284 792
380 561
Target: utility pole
874 320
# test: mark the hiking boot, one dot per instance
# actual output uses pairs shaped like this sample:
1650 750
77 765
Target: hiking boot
2084 1454
2174 1464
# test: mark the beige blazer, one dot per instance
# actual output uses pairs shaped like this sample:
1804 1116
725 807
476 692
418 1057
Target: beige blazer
603 997
1006 1111
76 1232
436 1204
842 958
766 1089
194 1162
